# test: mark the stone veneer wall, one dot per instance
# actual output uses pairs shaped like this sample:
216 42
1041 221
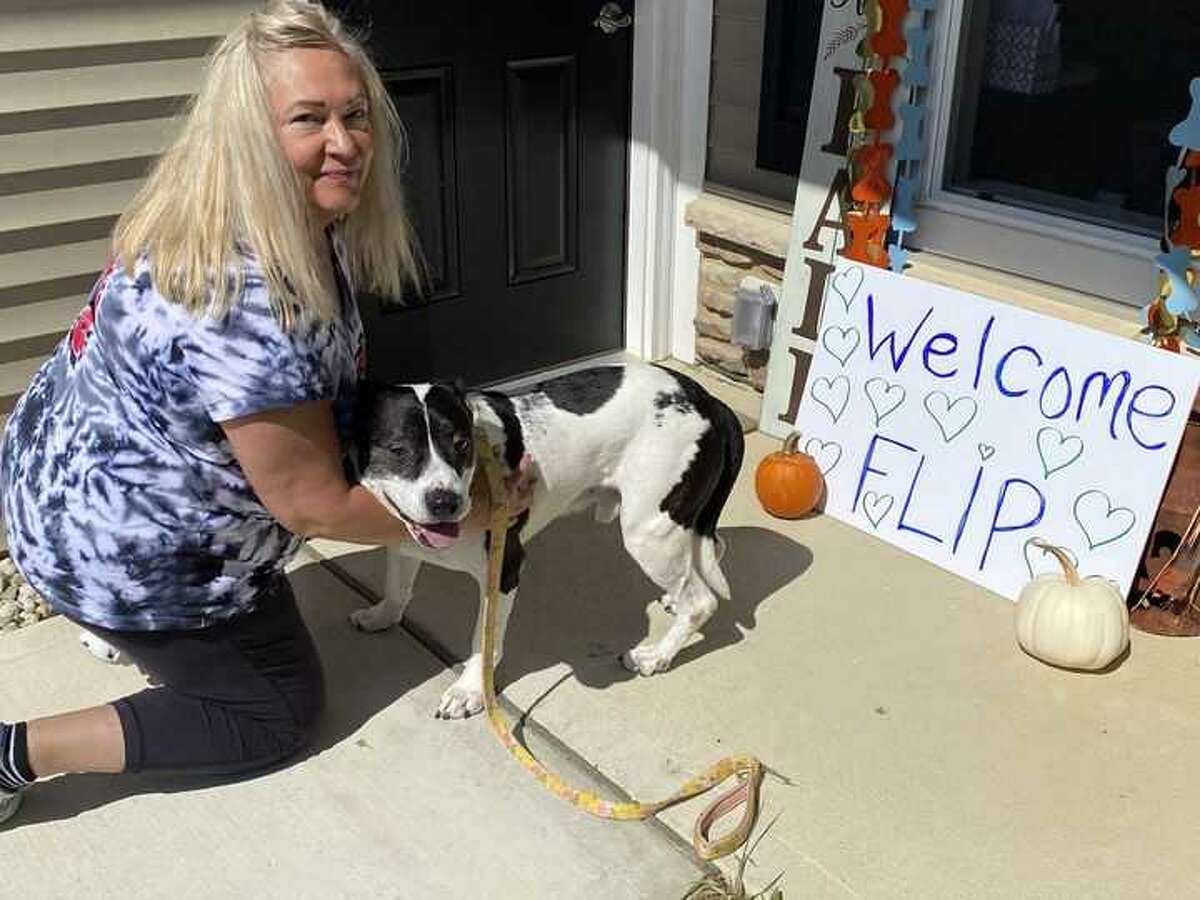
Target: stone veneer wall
735 239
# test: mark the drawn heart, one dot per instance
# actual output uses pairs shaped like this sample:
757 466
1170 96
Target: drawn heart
877 506
1100 521
986 451
952 418
1050 564
1057 450
841 342
846 284
885 397
832 394
826 453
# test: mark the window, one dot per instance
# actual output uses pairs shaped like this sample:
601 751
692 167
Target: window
789 42
762 73
1050 137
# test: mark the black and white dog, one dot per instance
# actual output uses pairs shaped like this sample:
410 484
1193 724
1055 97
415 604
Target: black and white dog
640 442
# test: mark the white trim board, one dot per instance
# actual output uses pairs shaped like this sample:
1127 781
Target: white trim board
672 50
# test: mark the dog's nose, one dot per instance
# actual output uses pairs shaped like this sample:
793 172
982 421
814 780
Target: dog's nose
442 502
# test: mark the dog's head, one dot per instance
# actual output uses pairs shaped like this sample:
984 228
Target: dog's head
416 455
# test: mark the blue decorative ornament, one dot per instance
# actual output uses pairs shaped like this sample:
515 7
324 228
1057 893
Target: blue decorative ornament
1187 133
916 69
910 147
1183 300
904 215
897 258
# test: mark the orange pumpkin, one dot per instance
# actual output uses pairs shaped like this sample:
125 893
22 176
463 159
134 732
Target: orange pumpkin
789 482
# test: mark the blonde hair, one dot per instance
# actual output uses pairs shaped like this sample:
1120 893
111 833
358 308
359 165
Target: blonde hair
224 189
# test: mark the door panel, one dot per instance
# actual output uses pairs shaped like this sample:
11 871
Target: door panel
424 99
542 167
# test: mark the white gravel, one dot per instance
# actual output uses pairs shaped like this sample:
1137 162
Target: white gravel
20 604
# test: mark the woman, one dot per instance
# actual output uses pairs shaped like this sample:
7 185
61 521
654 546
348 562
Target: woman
166 463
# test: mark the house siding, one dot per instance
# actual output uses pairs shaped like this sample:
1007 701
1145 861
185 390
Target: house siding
88 99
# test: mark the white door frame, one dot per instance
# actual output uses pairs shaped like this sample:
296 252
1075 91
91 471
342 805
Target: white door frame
668 140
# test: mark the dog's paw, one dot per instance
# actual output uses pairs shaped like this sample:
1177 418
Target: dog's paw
100 649
374 618
459 703
645 660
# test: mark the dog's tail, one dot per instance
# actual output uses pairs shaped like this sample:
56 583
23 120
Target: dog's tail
711 547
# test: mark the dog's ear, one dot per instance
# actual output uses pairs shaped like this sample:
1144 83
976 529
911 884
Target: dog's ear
466 396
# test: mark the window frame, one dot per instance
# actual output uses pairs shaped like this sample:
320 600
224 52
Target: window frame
1081 256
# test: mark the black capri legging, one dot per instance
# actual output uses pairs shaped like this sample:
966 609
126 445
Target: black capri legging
231 698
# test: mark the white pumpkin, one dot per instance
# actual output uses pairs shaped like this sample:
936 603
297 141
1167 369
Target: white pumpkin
1068 621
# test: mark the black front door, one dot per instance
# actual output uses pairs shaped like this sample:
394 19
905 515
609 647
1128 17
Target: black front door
517 119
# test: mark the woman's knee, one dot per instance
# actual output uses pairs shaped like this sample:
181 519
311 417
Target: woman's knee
283 724
305 706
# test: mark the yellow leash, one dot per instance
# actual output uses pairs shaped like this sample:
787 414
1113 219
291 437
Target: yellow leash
748 769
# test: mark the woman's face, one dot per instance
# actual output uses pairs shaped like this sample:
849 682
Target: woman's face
321 116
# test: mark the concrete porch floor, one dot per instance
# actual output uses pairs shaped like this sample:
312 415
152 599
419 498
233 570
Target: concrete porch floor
929 757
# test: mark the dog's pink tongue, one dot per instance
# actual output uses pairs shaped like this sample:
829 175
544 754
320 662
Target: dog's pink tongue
440 535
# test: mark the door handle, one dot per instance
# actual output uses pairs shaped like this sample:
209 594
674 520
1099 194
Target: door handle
612 18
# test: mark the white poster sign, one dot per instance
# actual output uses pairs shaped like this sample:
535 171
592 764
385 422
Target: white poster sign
957 427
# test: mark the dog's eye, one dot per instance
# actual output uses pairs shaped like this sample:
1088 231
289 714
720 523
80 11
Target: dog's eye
462 446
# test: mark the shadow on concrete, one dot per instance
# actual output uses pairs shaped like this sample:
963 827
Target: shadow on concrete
363 677
582 598
582 602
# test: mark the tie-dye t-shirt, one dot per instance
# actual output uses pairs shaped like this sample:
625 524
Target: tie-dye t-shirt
124 504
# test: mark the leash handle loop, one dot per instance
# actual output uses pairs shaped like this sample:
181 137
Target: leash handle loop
744 795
